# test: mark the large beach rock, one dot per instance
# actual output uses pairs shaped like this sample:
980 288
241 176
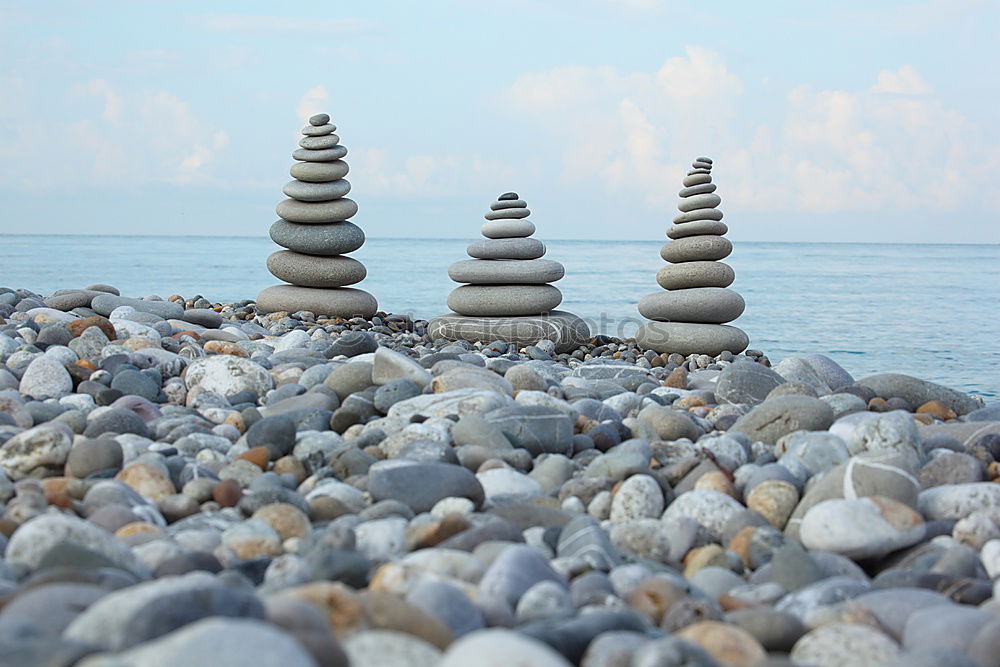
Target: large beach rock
746 382
862 528
781 415
917 392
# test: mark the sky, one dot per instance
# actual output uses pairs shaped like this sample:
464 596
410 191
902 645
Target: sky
827 121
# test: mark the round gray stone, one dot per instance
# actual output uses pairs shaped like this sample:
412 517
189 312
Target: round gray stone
314 271
746 382
319 143
319 172
699 201
567 330
695 274
508 196
781 415
318 130
508 203
324 155
690 338
305 191
506 271
696 179
327 211
508 214
506 249
703 188
341 301
319 119
503 300
334 238
698 214
696 248
697 228
706 305
508 229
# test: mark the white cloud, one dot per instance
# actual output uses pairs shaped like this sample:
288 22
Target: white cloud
904 81
260 23
312 102
892 146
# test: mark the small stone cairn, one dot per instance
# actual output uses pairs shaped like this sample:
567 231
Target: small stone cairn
690 316
314 229
507 293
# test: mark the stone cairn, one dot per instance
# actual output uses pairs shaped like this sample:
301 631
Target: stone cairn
508 295
690 317
314 228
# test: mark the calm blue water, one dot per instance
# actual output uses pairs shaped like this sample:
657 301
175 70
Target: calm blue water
929 310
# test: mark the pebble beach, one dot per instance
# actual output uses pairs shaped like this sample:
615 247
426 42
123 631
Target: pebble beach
190 482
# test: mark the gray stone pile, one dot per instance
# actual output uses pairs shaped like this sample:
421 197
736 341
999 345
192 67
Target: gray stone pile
314 228
690 316
508 294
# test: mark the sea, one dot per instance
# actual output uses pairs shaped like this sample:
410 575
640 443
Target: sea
929 310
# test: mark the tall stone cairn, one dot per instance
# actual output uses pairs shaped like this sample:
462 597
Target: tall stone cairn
313 226
690 316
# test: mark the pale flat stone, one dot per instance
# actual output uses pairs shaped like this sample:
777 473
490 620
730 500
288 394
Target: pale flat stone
314 271
304 191
506 249
696 179
697 228
567 330
341 301
508 229
698 214
506 271
696 248
327 211
504 300
508 203
319 143
695 274
319 172
324 155
690 338
318 130
333 238
699 201
706 305
508 214
691 190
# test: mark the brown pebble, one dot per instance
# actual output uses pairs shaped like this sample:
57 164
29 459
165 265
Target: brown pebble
654 597
77 327
678 378
259 456
291 466
728 644
225 347
938 408
877 404
227 493
327 508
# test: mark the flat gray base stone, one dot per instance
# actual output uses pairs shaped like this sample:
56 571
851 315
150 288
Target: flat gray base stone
566 329
314 271
691 338
339 301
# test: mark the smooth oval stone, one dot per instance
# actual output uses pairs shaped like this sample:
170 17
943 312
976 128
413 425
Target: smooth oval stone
328 191
697 228
327 211
318 130
324 155
698 164
319 119
706 160
690 338
319 143
319 172
503 300
696 248
692 190
706 305
508 203
699 201
698 214
508 214
696 179
341 301
508 196
508 229
566 329
507 249
506 272
695 274
313 271
334 238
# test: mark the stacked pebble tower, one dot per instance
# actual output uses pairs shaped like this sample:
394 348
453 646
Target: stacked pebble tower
690 316
508 295
314 228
